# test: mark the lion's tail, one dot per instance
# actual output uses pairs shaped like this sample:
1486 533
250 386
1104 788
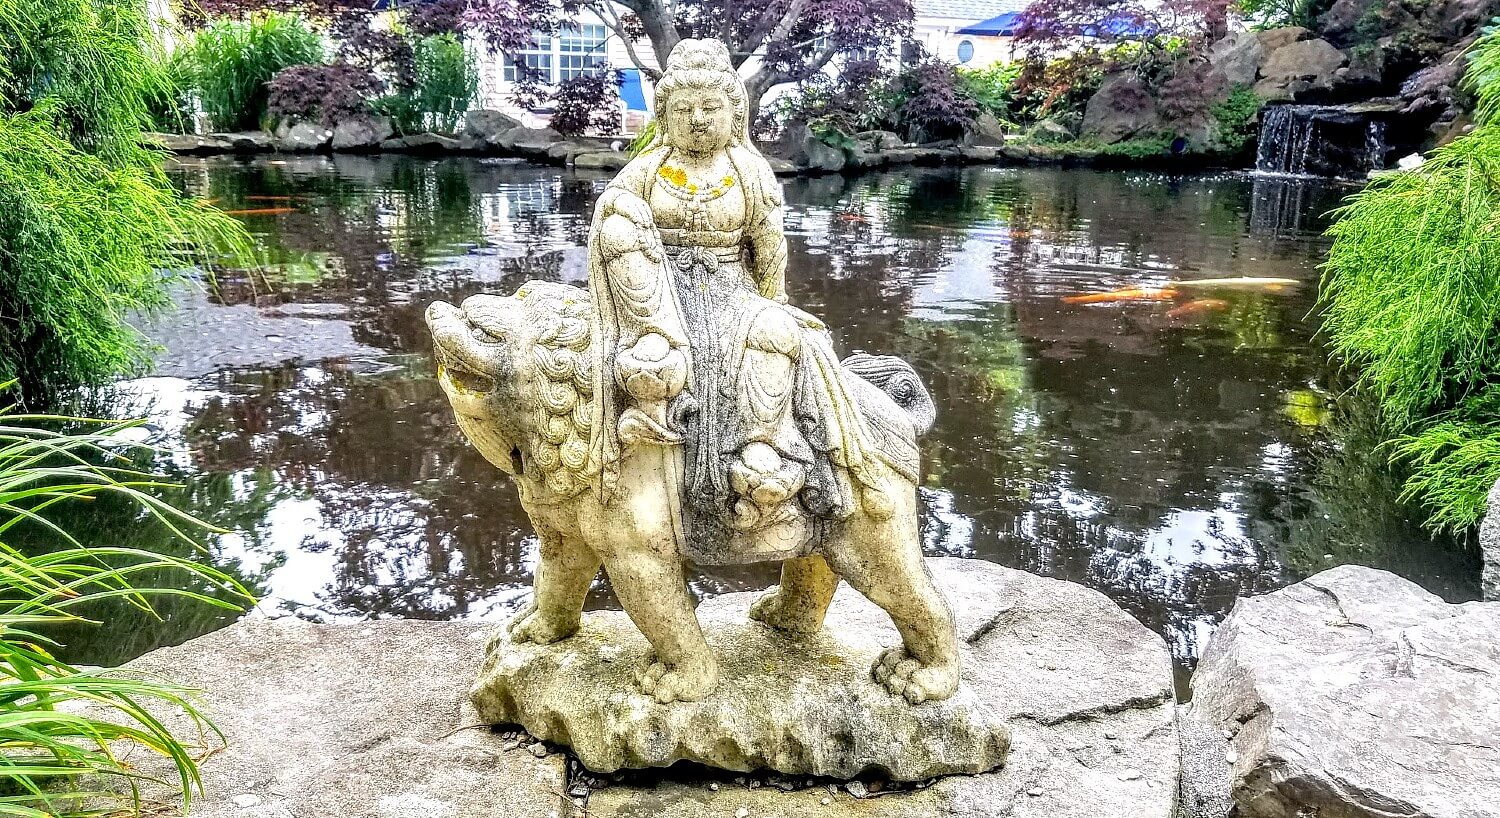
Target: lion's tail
897 379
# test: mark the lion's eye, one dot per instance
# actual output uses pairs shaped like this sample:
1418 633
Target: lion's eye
486 336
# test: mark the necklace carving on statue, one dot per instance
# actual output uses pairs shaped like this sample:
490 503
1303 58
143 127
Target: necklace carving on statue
694 196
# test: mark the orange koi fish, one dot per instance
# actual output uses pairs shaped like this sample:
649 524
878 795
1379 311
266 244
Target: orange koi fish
1127 294
1196 306
261 211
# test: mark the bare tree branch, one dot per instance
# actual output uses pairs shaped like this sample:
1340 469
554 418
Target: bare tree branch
612 19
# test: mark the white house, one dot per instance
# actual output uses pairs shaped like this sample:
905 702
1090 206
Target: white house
971 33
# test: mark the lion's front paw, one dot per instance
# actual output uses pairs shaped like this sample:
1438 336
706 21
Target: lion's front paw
914 681
532 625
679 684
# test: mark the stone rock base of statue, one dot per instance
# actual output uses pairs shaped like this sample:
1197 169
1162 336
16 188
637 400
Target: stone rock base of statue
798 704
1083 689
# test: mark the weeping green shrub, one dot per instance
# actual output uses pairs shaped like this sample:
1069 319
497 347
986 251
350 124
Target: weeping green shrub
58 722
230 62
88 218
1412 298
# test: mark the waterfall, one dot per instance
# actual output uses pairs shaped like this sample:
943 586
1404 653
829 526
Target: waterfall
1345 141
1286 137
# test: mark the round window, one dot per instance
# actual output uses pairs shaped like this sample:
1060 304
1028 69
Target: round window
965 51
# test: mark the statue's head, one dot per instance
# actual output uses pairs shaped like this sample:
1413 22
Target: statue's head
518 372
701 102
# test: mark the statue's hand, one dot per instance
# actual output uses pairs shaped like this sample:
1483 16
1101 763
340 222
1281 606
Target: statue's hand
636 210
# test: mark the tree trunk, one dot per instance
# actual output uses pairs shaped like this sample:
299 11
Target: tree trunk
661 29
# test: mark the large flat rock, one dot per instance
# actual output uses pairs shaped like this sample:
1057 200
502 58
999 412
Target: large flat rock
364 720
1356 693
370 719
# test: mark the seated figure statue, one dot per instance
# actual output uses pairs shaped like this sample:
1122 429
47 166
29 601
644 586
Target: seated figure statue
681 409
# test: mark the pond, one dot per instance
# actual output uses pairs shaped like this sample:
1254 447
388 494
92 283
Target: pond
1174 454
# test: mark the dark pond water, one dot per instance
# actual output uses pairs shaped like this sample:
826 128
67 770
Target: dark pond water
1174 455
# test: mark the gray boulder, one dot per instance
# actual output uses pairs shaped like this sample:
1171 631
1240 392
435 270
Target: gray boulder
188 144
602 160
531 142
875 141
985 132
422 143
800 146
1204 790
1298 68
1273 38
781 167
363 720
1489 546
488 125
1050 132
248 141
302 137
1356 694
1122 108
1239 57
361 133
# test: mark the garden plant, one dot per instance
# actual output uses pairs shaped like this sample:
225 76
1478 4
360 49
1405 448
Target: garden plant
88 218
1412 293
63 728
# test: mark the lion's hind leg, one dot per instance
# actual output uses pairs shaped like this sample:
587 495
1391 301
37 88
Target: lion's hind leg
565 570
800 602
882 559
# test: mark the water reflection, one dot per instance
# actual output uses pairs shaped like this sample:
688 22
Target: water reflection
1174 454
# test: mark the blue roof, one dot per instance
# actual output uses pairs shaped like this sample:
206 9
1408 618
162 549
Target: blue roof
1003 25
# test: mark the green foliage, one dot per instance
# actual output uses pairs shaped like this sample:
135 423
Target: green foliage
1412 296
1277 13
1483 77
1412 283
1454 462
994 88
88 220
56 755
230 62
642 140
1235 119
446 80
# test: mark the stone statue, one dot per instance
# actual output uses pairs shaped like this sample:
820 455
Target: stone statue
680 408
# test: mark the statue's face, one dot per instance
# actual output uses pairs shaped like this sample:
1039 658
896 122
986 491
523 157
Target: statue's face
700 120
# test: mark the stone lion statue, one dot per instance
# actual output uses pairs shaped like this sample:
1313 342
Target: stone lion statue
517 371
682 408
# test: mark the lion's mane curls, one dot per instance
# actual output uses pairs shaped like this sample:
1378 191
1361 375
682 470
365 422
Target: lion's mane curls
557 379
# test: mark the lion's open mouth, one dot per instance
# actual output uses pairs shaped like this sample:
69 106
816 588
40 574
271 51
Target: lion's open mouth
461 377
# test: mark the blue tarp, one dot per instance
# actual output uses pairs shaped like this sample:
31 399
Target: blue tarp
631 92
1114 28
1003 25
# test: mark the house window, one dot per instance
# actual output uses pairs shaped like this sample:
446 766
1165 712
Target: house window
538 57
580 51
966 51
572 52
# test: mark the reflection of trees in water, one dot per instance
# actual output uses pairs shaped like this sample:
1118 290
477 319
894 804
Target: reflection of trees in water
1072 441
421 525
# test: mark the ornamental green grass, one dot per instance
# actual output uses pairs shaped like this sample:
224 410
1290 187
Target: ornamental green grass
63 729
